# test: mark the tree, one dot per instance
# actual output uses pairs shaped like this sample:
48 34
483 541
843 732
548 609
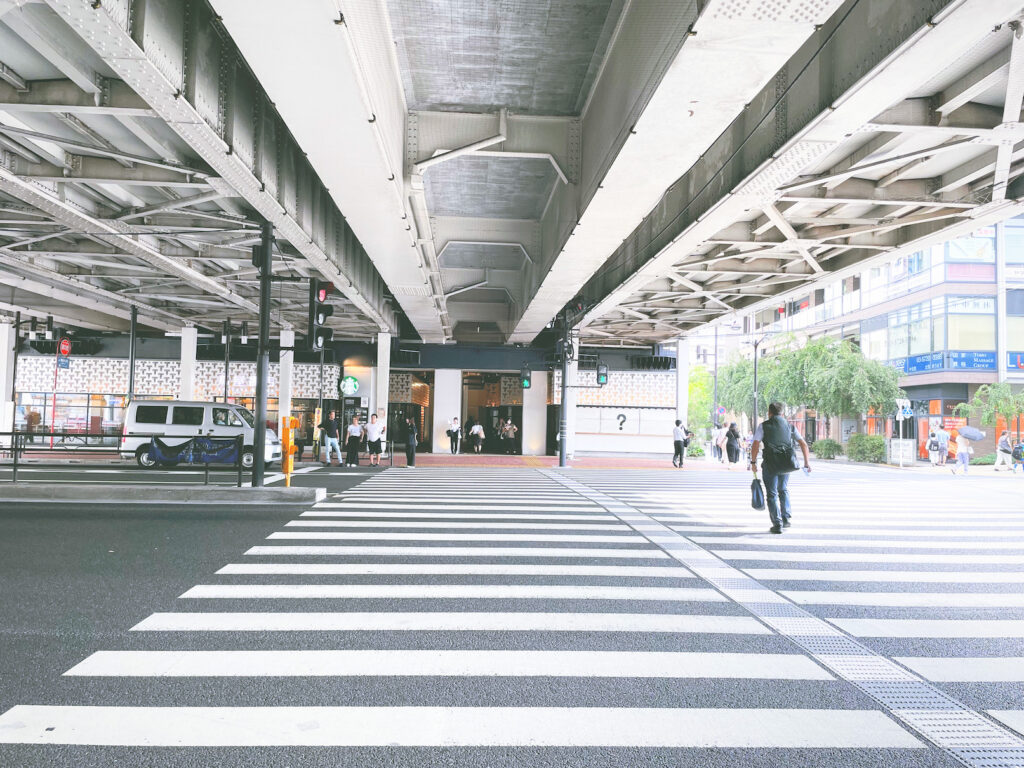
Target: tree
698 413
992 401
833 377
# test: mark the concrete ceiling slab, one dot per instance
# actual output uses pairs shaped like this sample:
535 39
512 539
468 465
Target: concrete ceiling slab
490 187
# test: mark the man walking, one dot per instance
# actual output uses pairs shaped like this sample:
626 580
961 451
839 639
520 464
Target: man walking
776 434
943 437
1004 451
679 444
329 429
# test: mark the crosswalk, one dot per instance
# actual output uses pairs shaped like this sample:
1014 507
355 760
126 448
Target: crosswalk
517 608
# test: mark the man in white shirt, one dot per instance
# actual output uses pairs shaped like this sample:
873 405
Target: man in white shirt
679 444
374 432
477 433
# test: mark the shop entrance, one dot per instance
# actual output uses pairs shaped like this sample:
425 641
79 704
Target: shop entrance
486 401
411 395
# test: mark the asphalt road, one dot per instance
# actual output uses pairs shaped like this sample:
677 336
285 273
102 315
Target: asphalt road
472 617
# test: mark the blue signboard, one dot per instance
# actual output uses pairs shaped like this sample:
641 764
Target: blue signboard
983 361
1015 361
63 362
899 365
922 363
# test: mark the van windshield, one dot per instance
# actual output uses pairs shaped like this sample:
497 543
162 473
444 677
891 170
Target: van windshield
246 414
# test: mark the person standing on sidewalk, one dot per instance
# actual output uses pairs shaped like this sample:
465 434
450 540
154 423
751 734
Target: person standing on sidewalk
776 434
355 437
963 454
374 432
1004 451
455 434
477 433
679 444
411 436
508 436
329 429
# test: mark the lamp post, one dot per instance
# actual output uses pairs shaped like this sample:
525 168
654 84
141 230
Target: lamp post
757 344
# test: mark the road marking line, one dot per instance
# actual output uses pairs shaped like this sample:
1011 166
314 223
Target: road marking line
923 577
458 507
453 726
459 515
919 533
450 592
438 551
455 569
456 525
554 538
472 621
949 628
468 663
867 557
1011 717
966 670
909 599
855 543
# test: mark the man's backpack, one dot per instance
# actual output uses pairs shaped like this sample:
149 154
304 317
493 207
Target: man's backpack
933 444
1018 452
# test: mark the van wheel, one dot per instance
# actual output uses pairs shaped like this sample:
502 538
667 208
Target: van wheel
247 458
144 458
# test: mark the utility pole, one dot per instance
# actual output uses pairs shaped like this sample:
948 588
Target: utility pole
131 352
226 336
714 396
757 344
262 255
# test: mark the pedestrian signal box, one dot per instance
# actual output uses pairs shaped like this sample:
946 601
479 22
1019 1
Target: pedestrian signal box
524 377
602 374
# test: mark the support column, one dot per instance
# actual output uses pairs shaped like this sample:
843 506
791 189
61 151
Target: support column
1001 314
8 335
445 403
263 260
383 382
572 370
535 415
284 374
132 340
189 339
682 379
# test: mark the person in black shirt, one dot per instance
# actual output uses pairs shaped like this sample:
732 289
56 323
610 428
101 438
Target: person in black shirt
330 437
410 442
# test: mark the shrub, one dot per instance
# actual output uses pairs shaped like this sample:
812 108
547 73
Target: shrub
987 460
694 450
827 448
869 448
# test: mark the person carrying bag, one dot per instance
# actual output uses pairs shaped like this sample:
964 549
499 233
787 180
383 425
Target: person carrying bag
778 462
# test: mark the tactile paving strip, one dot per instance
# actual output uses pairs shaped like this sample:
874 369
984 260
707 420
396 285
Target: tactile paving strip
965 734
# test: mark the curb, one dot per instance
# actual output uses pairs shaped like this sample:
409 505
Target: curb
159 494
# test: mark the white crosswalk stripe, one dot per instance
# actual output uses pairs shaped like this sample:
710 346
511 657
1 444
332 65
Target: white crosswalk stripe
434 579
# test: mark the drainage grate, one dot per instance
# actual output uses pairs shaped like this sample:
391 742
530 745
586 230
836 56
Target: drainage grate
963 733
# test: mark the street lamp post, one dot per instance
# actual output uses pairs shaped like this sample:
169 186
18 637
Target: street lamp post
757 344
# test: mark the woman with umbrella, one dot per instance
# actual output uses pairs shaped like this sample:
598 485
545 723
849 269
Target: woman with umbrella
963 446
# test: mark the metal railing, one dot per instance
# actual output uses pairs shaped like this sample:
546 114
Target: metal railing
18 443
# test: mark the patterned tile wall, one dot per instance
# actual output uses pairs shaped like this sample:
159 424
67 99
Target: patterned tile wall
400 387
106 375
511 391
624 388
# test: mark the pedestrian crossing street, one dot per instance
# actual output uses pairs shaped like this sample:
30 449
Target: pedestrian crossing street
628 610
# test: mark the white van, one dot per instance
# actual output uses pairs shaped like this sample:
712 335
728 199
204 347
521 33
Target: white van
175 421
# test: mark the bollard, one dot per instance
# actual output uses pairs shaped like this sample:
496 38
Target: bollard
206 473
14 456
238 458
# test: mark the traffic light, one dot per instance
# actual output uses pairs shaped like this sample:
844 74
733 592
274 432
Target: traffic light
524 376
288 447
602 374
319 311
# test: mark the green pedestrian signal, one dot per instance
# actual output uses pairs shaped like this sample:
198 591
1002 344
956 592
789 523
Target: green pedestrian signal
602 374
524 377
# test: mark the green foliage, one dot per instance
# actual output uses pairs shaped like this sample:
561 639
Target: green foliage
833 377
870 448
695 450
985 460
698 412
827 448
992 401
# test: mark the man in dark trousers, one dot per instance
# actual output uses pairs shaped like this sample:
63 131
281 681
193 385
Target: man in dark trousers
776 432
329 427
411 437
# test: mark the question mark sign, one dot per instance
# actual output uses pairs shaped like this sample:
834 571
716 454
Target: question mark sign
622 420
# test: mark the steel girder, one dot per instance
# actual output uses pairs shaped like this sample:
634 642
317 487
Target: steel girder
174 55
